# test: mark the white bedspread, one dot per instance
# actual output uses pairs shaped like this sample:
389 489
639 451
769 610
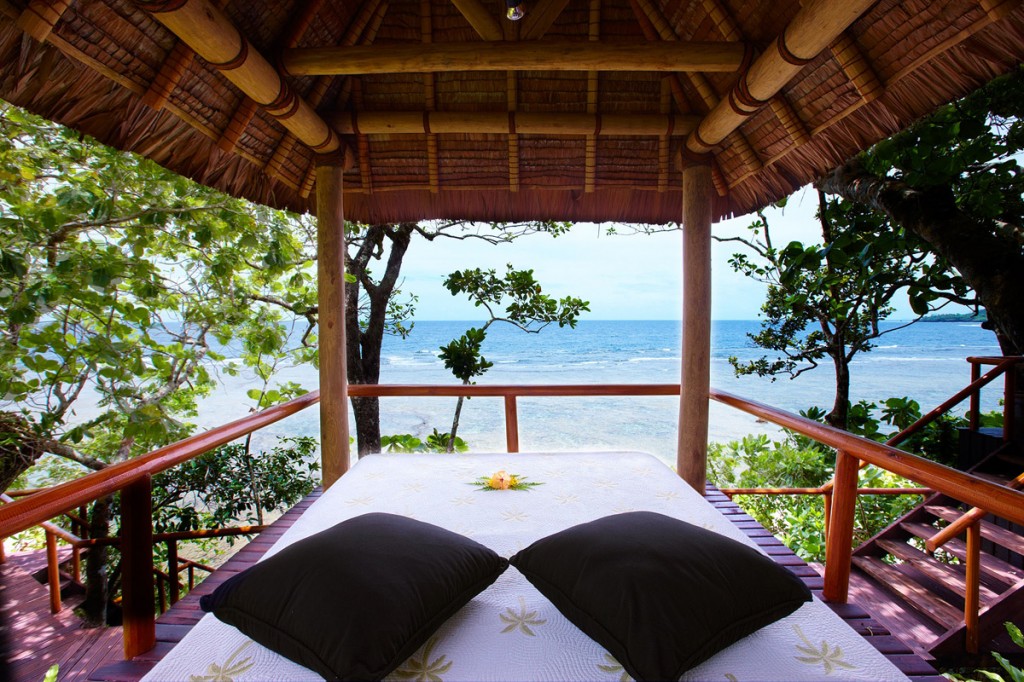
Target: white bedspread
510 631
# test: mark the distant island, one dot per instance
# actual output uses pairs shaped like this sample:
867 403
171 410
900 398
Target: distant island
981 316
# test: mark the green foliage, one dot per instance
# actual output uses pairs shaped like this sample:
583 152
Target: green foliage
825 300
1015 674
51 673
225 485
436 442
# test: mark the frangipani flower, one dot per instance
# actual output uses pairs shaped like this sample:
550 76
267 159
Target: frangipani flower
501 480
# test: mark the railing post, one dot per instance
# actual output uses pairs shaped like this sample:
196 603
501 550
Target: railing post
1009 403
827 498
137 567
511 424
971 597
839 543
975 397
76 563
53 572
172 568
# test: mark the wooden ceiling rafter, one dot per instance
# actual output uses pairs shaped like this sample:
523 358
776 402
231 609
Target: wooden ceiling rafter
562 55
512 97
995 10
664 141
363 27
480 18
790 119
590 154
540 17
857 67
722 20
89 62
815 26
362 141
654 26
429 100
214 37
40 16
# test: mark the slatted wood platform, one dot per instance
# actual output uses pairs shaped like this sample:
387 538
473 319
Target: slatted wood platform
100 660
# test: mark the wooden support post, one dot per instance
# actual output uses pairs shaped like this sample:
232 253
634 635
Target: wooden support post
1009 403
971 597
76 563
827 498
172 568
839 543
330 214
691 457
52 572
137 567
511 424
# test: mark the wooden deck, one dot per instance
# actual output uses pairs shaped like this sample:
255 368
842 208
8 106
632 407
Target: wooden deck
97 656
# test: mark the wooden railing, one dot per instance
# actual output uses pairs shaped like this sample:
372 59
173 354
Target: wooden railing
969 523
133 479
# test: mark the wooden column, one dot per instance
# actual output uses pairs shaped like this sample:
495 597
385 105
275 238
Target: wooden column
137 567
839 542
330 215
691 457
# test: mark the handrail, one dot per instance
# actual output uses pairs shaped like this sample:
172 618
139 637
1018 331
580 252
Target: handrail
965 487
961 524
502 390
817 491
31 511
972 388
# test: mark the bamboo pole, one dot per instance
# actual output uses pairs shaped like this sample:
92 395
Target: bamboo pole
691 457
816 25
505 56
334 446
211 34
500 123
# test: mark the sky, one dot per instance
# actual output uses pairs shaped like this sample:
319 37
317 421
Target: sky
625 277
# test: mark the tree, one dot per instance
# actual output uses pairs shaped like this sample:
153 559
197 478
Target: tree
825 301
119 283
955 181
374 305
528 308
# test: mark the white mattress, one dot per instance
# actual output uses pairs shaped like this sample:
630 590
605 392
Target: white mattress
510 631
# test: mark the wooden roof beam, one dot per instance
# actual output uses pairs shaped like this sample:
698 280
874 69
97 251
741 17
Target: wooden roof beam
40 16
211 34
506 56
444 122
480 18
540 17
815 26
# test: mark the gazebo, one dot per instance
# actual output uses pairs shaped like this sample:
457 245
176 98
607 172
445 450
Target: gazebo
640 111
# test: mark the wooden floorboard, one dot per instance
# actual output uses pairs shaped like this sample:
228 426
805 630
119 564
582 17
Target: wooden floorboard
100 657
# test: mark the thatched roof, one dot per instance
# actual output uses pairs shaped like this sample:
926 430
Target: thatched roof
604 144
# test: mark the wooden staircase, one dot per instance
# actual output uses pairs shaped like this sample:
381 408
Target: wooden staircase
930 588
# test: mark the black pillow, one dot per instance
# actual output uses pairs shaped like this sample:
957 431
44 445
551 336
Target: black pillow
661 595
355 601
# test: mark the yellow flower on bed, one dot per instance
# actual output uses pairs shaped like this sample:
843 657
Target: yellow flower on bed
502 480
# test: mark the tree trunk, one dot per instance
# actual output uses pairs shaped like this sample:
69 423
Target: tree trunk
455 423
94 608
839 416
367 414
19 448
992 265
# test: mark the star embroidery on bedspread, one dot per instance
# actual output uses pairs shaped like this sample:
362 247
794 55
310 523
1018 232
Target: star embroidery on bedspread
567 498
831 657
423 669
463 501
414 487
359 501
512 515
522 620
667 495
613 668
228 671
642 471
606 484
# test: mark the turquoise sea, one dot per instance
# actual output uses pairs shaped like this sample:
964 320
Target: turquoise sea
925 361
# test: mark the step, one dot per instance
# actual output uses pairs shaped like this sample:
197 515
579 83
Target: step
989 531
1003 574
934 569
897 582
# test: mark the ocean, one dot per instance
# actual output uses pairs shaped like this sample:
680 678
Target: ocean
925 361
